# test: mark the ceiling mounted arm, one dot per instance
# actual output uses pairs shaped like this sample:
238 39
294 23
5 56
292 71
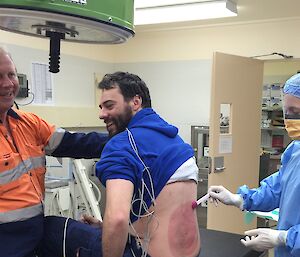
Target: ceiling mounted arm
84 21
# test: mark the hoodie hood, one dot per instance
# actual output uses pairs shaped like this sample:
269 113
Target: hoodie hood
151 144
148 118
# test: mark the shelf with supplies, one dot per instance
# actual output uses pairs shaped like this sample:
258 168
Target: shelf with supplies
274 138
273 133
272 119
271 96
274 128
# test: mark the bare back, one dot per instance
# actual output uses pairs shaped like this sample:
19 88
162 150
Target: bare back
174 228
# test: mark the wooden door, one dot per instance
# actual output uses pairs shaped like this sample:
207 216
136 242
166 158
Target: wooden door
234 150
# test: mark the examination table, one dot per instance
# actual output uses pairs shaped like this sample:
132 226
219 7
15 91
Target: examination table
222 244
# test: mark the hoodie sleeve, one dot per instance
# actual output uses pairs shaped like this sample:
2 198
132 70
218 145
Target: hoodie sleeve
118 161
80 145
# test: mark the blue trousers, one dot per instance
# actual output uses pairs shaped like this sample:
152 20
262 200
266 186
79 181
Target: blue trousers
21 238
79 237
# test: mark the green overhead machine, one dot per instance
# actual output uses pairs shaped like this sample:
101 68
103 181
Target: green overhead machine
85 21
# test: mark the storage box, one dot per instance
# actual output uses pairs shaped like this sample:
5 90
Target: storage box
277 141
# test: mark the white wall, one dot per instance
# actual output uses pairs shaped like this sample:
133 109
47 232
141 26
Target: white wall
90 51
180 90
73 87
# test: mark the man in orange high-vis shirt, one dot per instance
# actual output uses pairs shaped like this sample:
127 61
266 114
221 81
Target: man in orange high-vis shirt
25 139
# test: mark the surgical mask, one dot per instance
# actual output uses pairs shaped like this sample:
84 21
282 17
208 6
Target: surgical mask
292 126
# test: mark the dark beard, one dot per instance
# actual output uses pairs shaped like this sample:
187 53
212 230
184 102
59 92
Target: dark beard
121 122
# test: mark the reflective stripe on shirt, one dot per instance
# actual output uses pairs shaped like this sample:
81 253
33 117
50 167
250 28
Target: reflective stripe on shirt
54 141
21 214
13 174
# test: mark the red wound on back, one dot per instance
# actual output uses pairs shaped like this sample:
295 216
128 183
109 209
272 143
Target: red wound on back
182 233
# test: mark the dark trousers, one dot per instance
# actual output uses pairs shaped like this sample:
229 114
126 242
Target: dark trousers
21 238
79 237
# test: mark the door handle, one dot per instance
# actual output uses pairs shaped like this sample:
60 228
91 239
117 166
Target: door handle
219 164
203 179
220 168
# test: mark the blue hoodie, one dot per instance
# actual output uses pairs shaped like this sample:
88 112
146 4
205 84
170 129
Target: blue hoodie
160 148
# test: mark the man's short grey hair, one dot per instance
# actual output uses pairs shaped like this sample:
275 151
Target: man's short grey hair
4 51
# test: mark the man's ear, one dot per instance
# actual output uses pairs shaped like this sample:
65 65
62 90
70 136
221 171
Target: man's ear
136 103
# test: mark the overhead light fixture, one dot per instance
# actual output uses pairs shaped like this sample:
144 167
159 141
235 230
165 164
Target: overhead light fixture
165 11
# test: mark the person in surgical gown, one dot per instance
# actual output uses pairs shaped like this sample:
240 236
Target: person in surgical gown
281 189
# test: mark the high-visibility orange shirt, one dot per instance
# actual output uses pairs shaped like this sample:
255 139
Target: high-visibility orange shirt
22 164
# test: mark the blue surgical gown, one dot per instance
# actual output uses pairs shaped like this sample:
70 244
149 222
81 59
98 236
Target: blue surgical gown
281 189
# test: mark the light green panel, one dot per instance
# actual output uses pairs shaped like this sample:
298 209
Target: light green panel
119 11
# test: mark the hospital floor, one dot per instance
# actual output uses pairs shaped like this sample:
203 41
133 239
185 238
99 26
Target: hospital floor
227 242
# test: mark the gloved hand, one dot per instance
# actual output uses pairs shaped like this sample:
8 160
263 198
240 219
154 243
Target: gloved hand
220 193
264 238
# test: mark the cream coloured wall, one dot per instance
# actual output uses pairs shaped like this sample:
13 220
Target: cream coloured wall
168 49
198 43
279 71
245 39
